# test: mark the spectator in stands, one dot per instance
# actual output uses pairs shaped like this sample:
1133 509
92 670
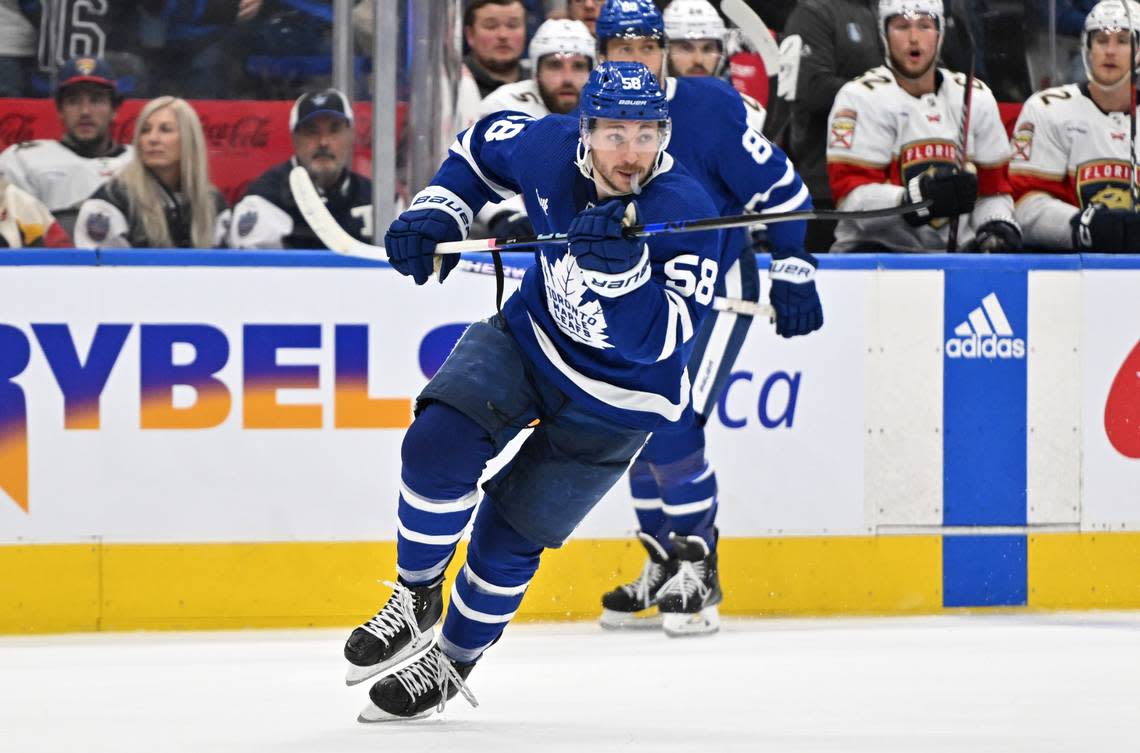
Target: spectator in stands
495 30
287 49
106 29
585 11
192 45
163 197
62 174
17 49
826 43
25 222
267 216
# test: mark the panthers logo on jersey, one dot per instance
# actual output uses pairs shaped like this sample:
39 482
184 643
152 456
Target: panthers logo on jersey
1104 182
919 157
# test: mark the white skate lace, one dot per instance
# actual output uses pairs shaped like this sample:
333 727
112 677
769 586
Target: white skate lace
650 576
688 582
400 611
434 671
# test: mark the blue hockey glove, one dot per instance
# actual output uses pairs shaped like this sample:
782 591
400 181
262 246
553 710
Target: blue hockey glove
411 240
793 294
596 239
996 237
1106 231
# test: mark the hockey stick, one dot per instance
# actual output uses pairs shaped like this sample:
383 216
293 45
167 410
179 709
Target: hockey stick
756 31
731 305
967 101
325 226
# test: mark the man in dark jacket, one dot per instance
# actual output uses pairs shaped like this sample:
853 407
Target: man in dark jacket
825 44
323 138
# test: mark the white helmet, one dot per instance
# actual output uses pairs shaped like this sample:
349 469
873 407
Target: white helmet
693 19
1108 15
911 8
560 36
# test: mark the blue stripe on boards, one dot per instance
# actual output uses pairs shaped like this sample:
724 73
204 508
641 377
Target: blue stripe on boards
984 397
984 571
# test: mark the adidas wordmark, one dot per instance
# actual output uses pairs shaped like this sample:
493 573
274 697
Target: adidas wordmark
986 333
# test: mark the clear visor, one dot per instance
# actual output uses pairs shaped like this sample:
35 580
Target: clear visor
639 136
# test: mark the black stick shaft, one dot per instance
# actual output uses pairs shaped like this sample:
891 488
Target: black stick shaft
717 223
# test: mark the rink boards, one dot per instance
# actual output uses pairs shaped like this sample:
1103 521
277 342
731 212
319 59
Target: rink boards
212 440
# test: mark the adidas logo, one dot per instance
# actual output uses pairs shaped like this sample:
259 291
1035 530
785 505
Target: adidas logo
985 334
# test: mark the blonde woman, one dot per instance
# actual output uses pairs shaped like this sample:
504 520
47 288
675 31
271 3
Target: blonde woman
163 197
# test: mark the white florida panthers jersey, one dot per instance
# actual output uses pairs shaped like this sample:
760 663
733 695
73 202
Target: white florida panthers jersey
1067 154
59 177
881 137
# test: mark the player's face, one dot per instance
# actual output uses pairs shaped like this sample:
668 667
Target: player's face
693 57
585 11
497 36
622 149
86 111
323 145
1108 56
644 50
160 141
913 43
560 80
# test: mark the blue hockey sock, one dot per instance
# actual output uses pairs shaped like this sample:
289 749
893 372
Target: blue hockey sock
647 502
688 489
444 453
490 587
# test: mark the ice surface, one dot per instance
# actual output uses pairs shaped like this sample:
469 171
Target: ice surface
1037 683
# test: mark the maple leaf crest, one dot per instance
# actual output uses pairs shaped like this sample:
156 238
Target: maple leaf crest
578 319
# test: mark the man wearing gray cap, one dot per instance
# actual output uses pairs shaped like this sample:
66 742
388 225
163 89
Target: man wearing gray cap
323 137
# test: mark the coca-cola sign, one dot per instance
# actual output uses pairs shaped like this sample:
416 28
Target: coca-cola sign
245 132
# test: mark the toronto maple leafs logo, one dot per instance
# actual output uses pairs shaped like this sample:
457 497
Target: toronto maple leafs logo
246 223
565 290
98 226
543 202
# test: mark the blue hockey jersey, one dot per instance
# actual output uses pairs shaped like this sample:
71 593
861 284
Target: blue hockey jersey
717 141
622 357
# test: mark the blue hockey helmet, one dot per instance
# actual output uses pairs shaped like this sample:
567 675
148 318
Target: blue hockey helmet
621 91
629 18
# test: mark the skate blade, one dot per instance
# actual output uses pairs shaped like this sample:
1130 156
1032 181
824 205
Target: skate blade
705 622
649 619
356 674
373 714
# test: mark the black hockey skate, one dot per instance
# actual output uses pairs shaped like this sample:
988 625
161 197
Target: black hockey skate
399 633
629 605
688 602
419 689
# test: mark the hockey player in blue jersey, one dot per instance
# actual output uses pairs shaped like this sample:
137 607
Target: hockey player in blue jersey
716 135
591 350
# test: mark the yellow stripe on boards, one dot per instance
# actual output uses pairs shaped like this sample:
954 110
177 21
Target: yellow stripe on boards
1084 571
60 588
86 587
50 588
